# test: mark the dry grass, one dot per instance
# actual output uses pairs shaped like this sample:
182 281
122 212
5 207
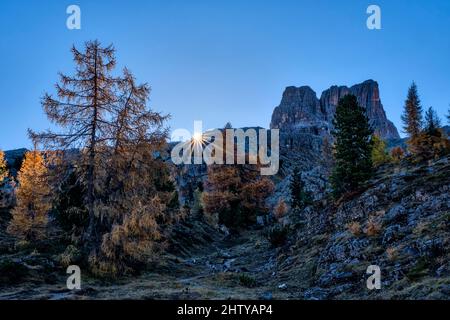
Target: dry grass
280 209
373 228
392 253
421 228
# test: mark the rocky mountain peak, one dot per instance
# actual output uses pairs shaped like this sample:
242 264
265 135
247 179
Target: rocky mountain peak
300 108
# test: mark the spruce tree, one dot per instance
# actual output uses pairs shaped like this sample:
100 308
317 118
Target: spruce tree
412 114
353 147
29 217
432 121
299 197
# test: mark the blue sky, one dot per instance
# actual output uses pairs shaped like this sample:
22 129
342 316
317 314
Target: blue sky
226 60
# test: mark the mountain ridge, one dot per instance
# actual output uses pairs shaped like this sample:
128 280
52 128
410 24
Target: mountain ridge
301 111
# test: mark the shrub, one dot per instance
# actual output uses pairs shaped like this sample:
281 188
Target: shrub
354 228
11 272
373 228
429 145
280 209
379 154
397 154
392 253
278 235
247 281
419 270
71 255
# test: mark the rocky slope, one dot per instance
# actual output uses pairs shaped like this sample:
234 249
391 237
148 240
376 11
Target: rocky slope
401 223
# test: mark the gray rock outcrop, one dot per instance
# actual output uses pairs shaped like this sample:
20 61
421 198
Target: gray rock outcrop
304 120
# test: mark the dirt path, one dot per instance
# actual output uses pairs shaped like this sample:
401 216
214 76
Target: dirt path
243 267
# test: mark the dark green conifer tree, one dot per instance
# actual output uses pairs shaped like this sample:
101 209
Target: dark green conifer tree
299 197
412 113
353 147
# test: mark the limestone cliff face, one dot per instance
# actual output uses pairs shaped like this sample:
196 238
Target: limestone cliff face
301 112
368 95
299 107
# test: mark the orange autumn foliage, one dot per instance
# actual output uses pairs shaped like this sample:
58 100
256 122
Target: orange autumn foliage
29 217
3 167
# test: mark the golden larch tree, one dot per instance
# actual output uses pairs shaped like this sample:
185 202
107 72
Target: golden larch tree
3 167
29 217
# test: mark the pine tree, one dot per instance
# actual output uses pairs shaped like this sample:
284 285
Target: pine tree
432 121
3 167
299 197
353 147
29 217
379 152
412 114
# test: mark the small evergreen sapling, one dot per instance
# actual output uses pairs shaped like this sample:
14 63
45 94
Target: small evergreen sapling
299 197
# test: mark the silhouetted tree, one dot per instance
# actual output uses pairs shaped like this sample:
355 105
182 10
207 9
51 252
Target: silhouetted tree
412 115
83 108
122 175
432 121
